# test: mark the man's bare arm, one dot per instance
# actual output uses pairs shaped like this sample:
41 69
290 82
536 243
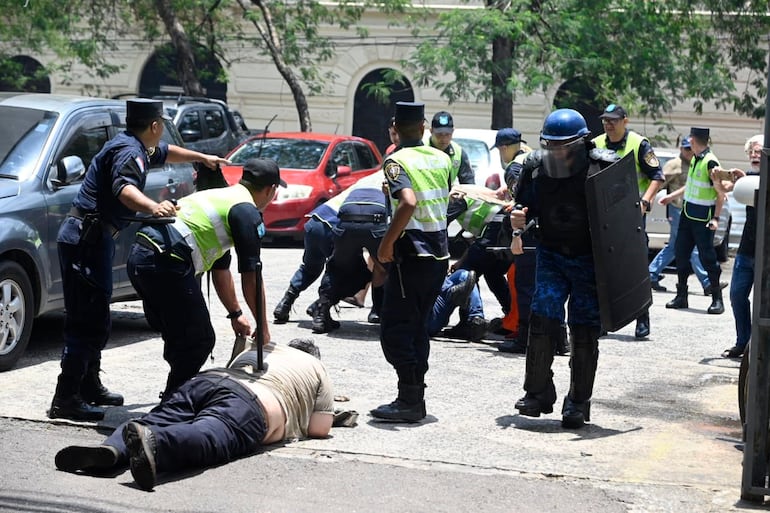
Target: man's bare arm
320 424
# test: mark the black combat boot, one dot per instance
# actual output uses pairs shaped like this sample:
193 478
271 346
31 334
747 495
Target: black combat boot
282 310
94 392
377 295
585 354
516 345
68 404
643 325
538 378
322 318
409 406
716 307
680 300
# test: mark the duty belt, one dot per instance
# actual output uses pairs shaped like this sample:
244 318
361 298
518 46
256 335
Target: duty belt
81 214
363 218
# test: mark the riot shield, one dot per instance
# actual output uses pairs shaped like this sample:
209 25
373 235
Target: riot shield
619 244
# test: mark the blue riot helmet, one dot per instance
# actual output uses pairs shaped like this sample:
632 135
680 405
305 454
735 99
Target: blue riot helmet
563 143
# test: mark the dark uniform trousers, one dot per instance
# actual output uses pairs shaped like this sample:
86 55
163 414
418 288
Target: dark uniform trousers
411 289
525 280
86 270
318 247
173 296
694 233
211 419
490 264
346 271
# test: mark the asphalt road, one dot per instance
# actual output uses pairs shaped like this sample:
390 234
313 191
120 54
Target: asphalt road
664 436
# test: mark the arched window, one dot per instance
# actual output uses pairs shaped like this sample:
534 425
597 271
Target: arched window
159 76
28 75
576 94
371 116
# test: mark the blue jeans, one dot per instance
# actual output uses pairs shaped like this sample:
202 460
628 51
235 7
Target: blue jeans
666 255
318 247
740 292
443 307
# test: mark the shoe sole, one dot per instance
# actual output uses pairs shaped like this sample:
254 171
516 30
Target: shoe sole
104 402
78 458
57 413
141 458
533 412
572 423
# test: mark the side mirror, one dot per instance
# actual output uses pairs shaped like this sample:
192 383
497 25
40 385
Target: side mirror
344 170
69 169
190 135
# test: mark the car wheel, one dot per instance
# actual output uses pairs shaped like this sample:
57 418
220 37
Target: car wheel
16 315
723 248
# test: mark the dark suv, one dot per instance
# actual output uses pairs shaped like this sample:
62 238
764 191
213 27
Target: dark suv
205 124
46 145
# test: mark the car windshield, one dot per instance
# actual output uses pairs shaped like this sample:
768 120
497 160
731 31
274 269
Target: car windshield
288 153
477 150
23 133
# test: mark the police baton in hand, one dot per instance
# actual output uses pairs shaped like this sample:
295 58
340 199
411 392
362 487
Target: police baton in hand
260 308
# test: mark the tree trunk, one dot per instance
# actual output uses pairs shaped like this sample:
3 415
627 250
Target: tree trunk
269 36
186 69
502 69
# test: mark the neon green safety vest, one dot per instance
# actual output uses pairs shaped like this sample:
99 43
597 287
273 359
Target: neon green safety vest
456 159
202 221
478 215
698 189
633 142
429 170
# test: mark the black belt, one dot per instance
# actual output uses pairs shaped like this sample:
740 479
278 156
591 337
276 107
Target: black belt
80 214
77 213
363 218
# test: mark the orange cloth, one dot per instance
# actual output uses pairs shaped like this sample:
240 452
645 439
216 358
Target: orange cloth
511 321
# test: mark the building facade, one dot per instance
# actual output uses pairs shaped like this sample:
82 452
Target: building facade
258 92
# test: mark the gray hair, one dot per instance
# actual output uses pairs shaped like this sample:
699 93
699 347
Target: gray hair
751 141
307 345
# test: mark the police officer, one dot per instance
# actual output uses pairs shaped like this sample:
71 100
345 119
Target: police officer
417 248
552 189
512 155
649 175
166 259
111 191
441 129
318 244
700 218
362 222
479 212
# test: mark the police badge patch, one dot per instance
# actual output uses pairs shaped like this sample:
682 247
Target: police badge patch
651 159
392 171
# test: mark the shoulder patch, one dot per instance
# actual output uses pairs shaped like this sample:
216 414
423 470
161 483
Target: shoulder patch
140 162
261 230
651 159
392 171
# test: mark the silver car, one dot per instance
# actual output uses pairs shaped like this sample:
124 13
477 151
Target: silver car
46 145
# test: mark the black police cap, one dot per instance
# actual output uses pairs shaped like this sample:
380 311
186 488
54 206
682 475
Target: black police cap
407 112
144 109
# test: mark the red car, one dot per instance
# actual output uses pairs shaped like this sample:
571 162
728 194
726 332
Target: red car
314 166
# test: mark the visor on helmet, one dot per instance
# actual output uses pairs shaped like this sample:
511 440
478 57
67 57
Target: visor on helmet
563 159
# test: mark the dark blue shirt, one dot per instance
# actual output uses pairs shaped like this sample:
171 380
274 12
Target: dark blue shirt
122 161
